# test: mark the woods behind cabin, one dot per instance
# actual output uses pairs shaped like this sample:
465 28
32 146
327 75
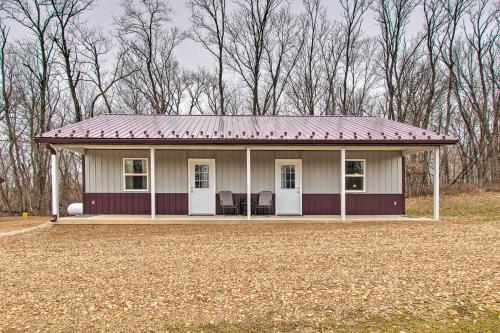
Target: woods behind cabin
267 57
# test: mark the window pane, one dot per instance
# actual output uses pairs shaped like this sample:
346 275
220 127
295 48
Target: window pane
204 176
136 182
354 167
354 183
288 176
129 166
201 176
135 166
201 168
201 184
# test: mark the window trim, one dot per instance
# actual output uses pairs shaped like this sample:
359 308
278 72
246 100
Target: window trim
135 174
356 176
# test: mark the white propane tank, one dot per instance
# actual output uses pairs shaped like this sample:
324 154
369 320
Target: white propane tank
75 209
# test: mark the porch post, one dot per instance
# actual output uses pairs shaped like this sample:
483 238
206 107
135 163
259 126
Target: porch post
436 183
55 185
249 189
342 184
153 183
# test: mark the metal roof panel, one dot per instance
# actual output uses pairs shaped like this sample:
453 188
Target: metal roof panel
183 129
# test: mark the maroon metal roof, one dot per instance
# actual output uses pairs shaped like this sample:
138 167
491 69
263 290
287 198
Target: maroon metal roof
165 129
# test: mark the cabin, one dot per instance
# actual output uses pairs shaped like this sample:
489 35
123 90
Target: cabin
156 166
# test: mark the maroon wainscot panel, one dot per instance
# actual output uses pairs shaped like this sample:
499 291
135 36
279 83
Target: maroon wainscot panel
177 203
172 203
356 204
321 204
117 203
374 204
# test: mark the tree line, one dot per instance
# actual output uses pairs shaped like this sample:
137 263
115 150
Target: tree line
266 58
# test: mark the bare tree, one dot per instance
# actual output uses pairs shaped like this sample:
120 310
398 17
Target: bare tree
97 46
453 13
433 13
36 17
282 47
66 12
148 44
209 23
245 47
352 18
454 10
195 83
7 99
363 78
392 17
332 49
306 88
477 92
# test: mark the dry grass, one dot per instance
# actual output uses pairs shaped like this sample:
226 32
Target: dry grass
401 276
11 223
475 205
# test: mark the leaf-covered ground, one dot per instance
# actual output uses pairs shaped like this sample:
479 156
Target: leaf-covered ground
9 223
399 276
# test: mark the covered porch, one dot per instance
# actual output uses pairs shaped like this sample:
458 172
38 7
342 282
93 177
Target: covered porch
320 185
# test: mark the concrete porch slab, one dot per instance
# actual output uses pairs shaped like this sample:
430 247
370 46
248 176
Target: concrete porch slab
229 219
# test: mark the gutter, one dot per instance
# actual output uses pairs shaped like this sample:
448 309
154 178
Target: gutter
222 141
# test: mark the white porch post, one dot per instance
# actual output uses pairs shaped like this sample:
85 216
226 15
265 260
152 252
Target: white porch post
249 187
153 183
55 185
342 183
436 183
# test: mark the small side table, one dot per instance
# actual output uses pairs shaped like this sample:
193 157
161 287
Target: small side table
243 206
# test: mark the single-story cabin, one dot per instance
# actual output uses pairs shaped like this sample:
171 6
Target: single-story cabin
196 165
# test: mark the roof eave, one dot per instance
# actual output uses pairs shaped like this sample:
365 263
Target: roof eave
193 141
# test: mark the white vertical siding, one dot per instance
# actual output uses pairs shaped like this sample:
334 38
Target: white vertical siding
321 169
383 170
262 164
321 172
104 169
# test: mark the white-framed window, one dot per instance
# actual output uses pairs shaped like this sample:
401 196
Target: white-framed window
355 170
135 174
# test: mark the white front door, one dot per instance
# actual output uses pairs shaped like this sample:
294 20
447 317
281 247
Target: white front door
288 174
201 186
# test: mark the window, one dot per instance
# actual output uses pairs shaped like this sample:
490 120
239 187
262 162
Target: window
135 171
355 175
201 176
288 176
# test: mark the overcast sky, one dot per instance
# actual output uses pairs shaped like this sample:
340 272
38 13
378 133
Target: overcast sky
189 53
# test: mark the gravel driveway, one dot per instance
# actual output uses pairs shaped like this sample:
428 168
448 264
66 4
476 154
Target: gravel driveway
254 277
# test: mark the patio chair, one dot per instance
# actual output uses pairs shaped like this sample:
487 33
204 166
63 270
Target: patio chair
265 201
226 202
